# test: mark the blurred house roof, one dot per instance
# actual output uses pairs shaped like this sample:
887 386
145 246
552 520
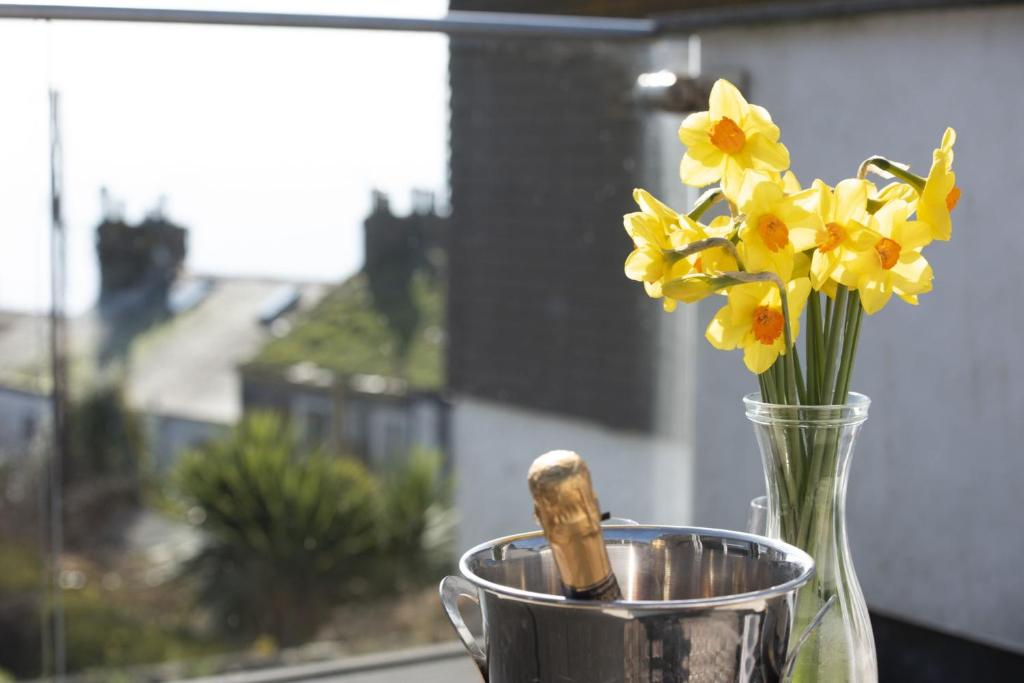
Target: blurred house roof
187 367
184 364
347 334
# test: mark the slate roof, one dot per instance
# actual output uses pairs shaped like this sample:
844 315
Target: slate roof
184 365
188 366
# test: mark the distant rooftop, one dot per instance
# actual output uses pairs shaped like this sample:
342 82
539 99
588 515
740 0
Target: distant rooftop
347 335
188 366
184 365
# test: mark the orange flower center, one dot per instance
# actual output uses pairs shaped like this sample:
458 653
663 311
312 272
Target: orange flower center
952 198
888 252
773 231
727 136
698 265
767 324
831 237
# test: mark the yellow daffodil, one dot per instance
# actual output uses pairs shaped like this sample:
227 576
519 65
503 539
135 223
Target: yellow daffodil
844 220
790 183
753 320
894 264
729 138
898 190
775 224
658 232
940 194
802 268
717 259
707 275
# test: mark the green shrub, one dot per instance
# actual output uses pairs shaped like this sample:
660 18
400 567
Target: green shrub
104 634
289 534
20 608
416 518
100 632
106 437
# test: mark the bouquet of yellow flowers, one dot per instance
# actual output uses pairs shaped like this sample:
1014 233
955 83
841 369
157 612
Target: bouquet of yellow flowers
828 254
837 252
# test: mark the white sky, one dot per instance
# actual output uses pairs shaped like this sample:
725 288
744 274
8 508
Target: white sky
265 141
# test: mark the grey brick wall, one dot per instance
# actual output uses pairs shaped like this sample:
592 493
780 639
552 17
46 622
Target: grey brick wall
544 151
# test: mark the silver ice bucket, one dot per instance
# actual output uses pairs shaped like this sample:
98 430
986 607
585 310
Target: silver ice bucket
699 605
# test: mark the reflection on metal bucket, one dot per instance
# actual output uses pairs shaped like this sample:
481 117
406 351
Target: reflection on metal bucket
699 605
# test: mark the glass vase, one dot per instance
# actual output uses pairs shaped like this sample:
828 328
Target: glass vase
806 453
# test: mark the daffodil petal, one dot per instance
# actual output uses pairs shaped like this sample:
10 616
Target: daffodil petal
721 333
759 357
797 292
727 101
948 140
644 265
803 237
897 190
914 276
767 154
874 294
851 201
760 121
699 173
913 234
721 226
823 264
694 128
732 176
790 183
651 205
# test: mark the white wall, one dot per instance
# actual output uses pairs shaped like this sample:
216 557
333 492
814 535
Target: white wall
494 444
934 504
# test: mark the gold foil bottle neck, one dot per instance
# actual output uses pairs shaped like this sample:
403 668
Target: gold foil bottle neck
568 511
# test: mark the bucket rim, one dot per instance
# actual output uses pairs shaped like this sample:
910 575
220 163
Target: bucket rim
790 552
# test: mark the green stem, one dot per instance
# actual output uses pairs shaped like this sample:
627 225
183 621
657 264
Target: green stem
780 381
887 166
834 333
814 351
849 350
705 202
826 444
801 388
828 314
849 335
791 385
820 340
701 245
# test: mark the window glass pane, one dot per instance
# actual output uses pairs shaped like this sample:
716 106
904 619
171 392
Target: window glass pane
324 289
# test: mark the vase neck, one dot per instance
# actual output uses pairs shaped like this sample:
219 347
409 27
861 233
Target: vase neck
806 464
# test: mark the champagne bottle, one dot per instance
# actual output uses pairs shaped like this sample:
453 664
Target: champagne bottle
567 509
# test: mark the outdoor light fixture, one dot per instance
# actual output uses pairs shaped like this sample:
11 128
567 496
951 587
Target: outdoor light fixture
672 91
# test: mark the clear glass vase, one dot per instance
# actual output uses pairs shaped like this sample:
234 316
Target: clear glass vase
806 454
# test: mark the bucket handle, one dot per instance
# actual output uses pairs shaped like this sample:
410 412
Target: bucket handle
452 588
787 670
619 521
